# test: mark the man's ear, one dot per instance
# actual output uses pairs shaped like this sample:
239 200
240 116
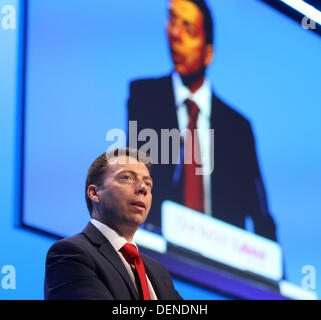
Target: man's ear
209 54
92 192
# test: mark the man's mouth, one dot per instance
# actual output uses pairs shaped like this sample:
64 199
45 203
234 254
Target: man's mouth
140 204
177 57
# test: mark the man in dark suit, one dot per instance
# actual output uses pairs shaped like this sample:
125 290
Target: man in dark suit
103 262
234 191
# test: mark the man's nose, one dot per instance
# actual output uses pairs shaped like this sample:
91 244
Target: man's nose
176 32
141 188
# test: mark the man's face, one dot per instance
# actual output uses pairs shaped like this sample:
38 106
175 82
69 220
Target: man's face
186 36
125 196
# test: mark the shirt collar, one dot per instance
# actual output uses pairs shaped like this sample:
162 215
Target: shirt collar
116 240
202 97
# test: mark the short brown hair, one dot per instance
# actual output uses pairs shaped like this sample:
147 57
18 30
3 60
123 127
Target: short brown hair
99 167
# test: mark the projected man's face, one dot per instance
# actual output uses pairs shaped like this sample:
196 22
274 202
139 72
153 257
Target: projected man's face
186 36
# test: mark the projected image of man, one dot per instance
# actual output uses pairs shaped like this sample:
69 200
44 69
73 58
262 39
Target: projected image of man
234 191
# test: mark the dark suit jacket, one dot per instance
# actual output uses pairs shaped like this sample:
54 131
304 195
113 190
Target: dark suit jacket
237 186
86 266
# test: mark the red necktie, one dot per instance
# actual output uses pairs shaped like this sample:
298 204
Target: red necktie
130 253
193 183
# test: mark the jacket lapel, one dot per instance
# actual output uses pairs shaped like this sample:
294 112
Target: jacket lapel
168 100
158 287
107 250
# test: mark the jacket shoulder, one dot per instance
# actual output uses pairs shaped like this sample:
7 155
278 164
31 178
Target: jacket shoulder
72 246
149 83
229 113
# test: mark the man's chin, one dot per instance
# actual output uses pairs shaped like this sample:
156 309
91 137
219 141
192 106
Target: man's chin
186 74
181 70
136 220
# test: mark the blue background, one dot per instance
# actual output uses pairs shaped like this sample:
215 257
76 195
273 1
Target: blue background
80 59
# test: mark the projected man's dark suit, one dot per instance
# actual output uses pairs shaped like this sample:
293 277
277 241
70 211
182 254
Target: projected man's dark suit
236 183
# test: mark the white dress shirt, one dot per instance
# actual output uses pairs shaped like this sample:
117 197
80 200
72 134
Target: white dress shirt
117 241
203 98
